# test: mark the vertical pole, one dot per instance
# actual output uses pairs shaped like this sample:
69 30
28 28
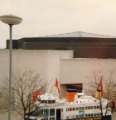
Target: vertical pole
101 108
10 72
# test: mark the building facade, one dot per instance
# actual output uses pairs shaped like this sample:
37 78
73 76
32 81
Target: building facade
69 59
83 47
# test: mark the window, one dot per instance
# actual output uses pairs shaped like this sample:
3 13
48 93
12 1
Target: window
40 113
45 112
77 109
52 118
52 112
98 107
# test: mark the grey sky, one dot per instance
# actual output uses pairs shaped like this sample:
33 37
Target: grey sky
46 17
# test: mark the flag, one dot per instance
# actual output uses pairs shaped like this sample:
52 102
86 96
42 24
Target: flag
35 94
57 85
99 92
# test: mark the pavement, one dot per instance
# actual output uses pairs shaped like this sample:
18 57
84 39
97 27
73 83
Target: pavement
114 116
15 116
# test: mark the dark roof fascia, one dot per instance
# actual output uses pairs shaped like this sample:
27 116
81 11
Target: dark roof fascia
79 40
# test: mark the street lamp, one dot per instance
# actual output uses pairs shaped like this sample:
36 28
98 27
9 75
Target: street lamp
10 20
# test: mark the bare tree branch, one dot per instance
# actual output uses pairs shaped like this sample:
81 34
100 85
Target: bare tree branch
25 83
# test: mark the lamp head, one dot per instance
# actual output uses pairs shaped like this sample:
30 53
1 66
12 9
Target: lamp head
10 19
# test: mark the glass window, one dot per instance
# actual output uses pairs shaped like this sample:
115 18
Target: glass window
98 107
81 108
76 108
52 112
71 109
52 118
40 113
46 112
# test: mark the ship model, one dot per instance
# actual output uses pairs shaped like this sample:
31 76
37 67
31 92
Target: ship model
74 106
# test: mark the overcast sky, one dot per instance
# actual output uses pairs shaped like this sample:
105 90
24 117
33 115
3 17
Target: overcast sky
47 17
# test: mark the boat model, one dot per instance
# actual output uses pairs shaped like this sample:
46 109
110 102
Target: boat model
74 104
51 107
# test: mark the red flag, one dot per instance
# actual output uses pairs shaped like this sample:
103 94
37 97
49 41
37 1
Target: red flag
57 85
100 89
35 94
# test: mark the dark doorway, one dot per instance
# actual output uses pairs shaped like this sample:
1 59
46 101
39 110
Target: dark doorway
58 114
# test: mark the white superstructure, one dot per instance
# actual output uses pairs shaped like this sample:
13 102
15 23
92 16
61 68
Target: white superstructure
83 107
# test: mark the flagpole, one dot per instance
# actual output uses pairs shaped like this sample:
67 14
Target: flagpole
101 108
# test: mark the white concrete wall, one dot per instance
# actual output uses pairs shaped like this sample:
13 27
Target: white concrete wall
52 64
4 61
83 70
54 59
44 62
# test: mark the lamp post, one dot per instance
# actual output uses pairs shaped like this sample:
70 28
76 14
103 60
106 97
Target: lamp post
10 20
